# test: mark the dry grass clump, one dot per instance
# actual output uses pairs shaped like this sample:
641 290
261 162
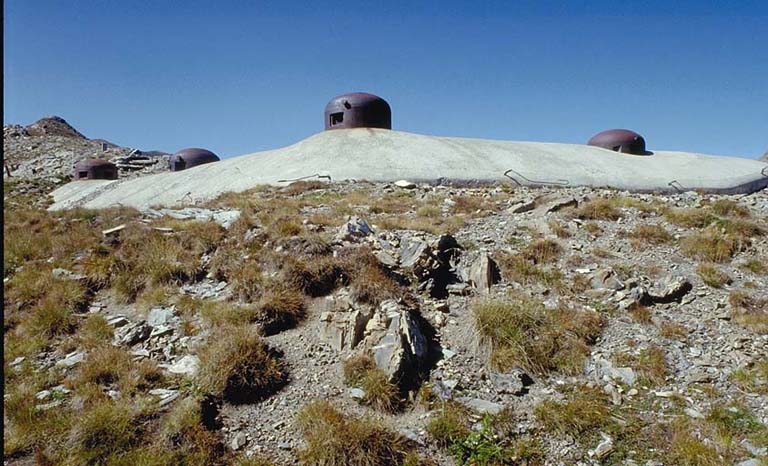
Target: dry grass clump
429 211
686 449
361 371
690 218
95 332
673 331
525 267
734 422
247 281
650 364
650 234
600 208
316 276
146 259
334 438
522 333
753 379
749 311
593 228
641 314
106 429
112 366
280 309
713 276
436 225
584 410
238 364
515 267
301 187
543 251
184 438
27 428
473 205
755 266
450 425
370 281
729 208
560 230
221 313
711 245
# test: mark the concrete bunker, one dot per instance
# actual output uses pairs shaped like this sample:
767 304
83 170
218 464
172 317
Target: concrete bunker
358 110
620 140
95 169
192 157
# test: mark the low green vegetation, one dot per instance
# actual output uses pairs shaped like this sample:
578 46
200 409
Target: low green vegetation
491 444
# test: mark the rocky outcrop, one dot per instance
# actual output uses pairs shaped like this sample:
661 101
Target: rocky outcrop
396 335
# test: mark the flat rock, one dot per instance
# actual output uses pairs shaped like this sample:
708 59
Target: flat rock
482 406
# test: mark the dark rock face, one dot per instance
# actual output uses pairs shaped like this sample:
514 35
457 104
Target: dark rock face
53 126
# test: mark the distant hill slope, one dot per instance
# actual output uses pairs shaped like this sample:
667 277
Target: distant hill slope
48 148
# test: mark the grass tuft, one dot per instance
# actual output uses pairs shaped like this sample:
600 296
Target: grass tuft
522 333
334 438
238 364
712 276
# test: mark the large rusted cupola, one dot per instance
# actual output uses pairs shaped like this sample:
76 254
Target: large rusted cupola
192 157
358 110
95 169
620 140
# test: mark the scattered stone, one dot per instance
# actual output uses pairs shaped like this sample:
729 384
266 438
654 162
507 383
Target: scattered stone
513 383
160 316
482 406
113 231
72 359
354 229
604 448
357 393
606 279
17 361
405 184
187 365
238 441
117 321
673 291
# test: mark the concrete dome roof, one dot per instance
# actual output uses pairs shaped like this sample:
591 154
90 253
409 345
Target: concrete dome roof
358 110
191 157
620 140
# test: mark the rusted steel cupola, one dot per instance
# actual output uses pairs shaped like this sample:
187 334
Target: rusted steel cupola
192 157
358 110
95 169
620 140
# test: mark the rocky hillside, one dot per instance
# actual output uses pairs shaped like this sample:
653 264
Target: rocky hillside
389 324
47 149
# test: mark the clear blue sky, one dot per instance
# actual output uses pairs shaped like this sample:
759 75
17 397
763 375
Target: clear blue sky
238 77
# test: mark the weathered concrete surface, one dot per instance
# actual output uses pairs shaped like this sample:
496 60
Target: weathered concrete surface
384 155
